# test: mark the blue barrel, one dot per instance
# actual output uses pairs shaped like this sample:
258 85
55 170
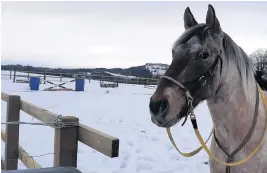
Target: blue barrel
34 83
79 84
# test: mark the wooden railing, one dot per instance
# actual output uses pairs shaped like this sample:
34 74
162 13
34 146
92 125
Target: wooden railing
65 139
115 79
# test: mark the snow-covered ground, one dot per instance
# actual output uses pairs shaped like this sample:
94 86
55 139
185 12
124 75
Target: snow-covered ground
120 75
123 113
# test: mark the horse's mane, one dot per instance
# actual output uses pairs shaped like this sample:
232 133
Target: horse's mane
236 56
243 63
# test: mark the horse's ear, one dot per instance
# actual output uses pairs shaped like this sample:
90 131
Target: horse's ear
189 19
212 20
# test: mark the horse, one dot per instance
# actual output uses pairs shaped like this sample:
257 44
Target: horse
207 65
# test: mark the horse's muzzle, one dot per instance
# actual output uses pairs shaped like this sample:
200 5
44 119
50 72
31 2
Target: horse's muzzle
159 110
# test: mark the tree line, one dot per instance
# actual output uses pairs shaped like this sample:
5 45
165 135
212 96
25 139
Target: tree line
138 71
259 58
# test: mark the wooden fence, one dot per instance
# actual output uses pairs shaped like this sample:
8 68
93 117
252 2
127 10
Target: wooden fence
65 138
115 79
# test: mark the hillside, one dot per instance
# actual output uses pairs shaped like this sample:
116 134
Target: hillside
157 69
148 70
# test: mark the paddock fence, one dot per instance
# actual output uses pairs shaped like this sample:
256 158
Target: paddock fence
13 74
68 132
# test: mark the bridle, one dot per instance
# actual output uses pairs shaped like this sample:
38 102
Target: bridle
199 83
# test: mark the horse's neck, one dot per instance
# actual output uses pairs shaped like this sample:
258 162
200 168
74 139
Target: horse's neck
232 114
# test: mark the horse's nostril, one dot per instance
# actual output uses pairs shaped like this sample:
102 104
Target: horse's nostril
164 105
160 106
154 107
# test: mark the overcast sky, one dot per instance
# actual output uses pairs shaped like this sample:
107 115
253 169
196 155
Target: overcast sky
115 34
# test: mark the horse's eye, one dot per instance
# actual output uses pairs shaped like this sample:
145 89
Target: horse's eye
203 55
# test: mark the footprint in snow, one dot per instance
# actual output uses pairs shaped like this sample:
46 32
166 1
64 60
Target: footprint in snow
143 165
175 156
170 147
146 158
138 150
123 165
130 143
125 159
155 139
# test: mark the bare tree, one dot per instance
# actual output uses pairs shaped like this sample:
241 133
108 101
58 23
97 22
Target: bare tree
259 58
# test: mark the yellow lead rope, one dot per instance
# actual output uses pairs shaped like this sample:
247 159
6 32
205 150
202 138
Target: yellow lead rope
190 154
203 143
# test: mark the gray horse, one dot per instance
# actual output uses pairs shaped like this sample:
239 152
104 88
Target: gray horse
208 65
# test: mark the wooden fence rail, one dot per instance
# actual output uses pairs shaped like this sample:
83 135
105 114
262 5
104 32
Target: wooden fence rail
65 139
115 79
25 158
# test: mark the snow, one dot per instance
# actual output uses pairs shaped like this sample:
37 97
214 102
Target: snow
119 75
121 112
157 69
107 82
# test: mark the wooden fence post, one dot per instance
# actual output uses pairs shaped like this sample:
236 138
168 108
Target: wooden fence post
44 76
2 165
10 74
66 143
14 76
12 133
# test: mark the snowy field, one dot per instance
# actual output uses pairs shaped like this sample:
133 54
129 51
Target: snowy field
123 113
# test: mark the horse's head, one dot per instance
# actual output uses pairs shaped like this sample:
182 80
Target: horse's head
195 67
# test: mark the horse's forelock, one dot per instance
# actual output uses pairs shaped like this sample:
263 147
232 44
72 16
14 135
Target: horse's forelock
194 30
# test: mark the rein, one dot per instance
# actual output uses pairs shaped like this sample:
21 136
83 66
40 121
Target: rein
190 112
